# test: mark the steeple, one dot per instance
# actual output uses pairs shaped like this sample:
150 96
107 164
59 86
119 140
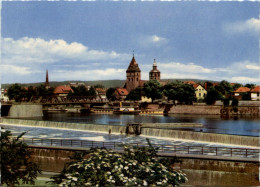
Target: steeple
47 86
133 75
154 65
155 74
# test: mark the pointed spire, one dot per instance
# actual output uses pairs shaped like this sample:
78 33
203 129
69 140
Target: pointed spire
133 53
47 86
154 62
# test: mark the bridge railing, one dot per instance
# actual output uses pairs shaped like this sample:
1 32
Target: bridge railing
118 146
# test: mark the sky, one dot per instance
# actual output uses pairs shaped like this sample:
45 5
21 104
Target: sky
95 40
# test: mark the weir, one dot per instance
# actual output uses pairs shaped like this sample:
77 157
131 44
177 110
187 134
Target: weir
137 129
75 126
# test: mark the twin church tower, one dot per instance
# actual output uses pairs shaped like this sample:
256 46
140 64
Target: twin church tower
133 75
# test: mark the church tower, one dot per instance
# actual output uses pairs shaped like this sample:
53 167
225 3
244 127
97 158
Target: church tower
155 74
133 75
47 86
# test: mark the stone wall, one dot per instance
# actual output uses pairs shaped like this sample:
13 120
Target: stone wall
213 110
25 110
200 172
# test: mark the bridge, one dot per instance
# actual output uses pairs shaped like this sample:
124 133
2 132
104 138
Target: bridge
65 100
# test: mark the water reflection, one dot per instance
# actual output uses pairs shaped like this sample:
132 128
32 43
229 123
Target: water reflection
248 126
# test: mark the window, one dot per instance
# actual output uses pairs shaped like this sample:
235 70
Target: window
136 79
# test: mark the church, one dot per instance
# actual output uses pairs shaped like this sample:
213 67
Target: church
133 75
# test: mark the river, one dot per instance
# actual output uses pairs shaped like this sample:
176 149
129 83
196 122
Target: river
247 126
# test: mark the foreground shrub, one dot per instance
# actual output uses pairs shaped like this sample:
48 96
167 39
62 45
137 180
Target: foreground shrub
136 166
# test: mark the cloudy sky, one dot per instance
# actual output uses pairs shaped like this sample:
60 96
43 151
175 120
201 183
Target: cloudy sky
95 40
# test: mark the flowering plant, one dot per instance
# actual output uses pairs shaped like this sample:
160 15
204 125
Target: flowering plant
136 166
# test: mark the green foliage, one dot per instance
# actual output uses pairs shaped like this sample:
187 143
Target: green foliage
226 101
135 95
92 92
42 91
82 91
224 87
212 96
236 86
153 89
16 92
246 96
136 166
16 164
110 94
99 86
234 102
184 93
250 85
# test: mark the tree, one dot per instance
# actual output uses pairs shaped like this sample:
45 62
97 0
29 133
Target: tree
16 92
99 86
234 102
250 85
43 91
153 89
236 86
92 92
110 94
212 96
136 166
16 164
246 96
224 87
135 95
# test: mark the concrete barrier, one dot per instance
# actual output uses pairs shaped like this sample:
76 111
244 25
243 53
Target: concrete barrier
25 110
201 136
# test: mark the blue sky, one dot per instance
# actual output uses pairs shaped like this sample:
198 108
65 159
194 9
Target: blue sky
95 40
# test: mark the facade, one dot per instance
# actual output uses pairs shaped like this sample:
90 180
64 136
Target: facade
121 93
101 92
238 93
63 90
255 93
200 91
155 74
133 75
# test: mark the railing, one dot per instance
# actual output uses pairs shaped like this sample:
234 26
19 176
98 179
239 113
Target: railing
117 146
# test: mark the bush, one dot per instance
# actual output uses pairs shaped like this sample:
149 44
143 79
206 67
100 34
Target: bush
137 166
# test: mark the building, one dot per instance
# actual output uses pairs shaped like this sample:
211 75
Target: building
133 75
238 93
63 90
47 85
101 92
121 93
200 92
255 93
155 74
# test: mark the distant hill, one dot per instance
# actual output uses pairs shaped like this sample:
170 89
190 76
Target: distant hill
105 83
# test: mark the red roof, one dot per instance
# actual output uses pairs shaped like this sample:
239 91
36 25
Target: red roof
256 89
189 82
242 89
101 91
64 89
195 85
122 91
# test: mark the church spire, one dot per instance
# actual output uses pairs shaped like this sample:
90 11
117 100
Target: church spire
47 86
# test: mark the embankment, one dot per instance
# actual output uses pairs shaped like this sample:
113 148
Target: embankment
78 126
200 171
201 136
25 110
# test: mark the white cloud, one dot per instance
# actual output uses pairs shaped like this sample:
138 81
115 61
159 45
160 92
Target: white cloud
37 50
152 40
249 26
96 74
14 70
243 72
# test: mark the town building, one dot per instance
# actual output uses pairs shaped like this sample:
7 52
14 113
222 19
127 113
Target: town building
47 85
238 93
255 93
155 74
63 90
133 75
121 93
200 92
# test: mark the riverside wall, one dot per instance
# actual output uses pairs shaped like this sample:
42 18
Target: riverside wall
201 136
200 171
213 110
25 110
78 126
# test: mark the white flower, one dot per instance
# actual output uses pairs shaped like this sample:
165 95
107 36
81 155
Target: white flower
121 166
145 183
159 183
108 172
126 167
113 181
74 178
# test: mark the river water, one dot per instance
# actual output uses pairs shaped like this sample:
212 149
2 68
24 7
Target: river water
248 126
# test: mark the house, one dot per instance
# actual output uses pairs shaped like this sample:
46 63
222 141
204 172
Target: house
200 92
63 90
77 84
255 93
3 96
238 93
101 92
120 93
